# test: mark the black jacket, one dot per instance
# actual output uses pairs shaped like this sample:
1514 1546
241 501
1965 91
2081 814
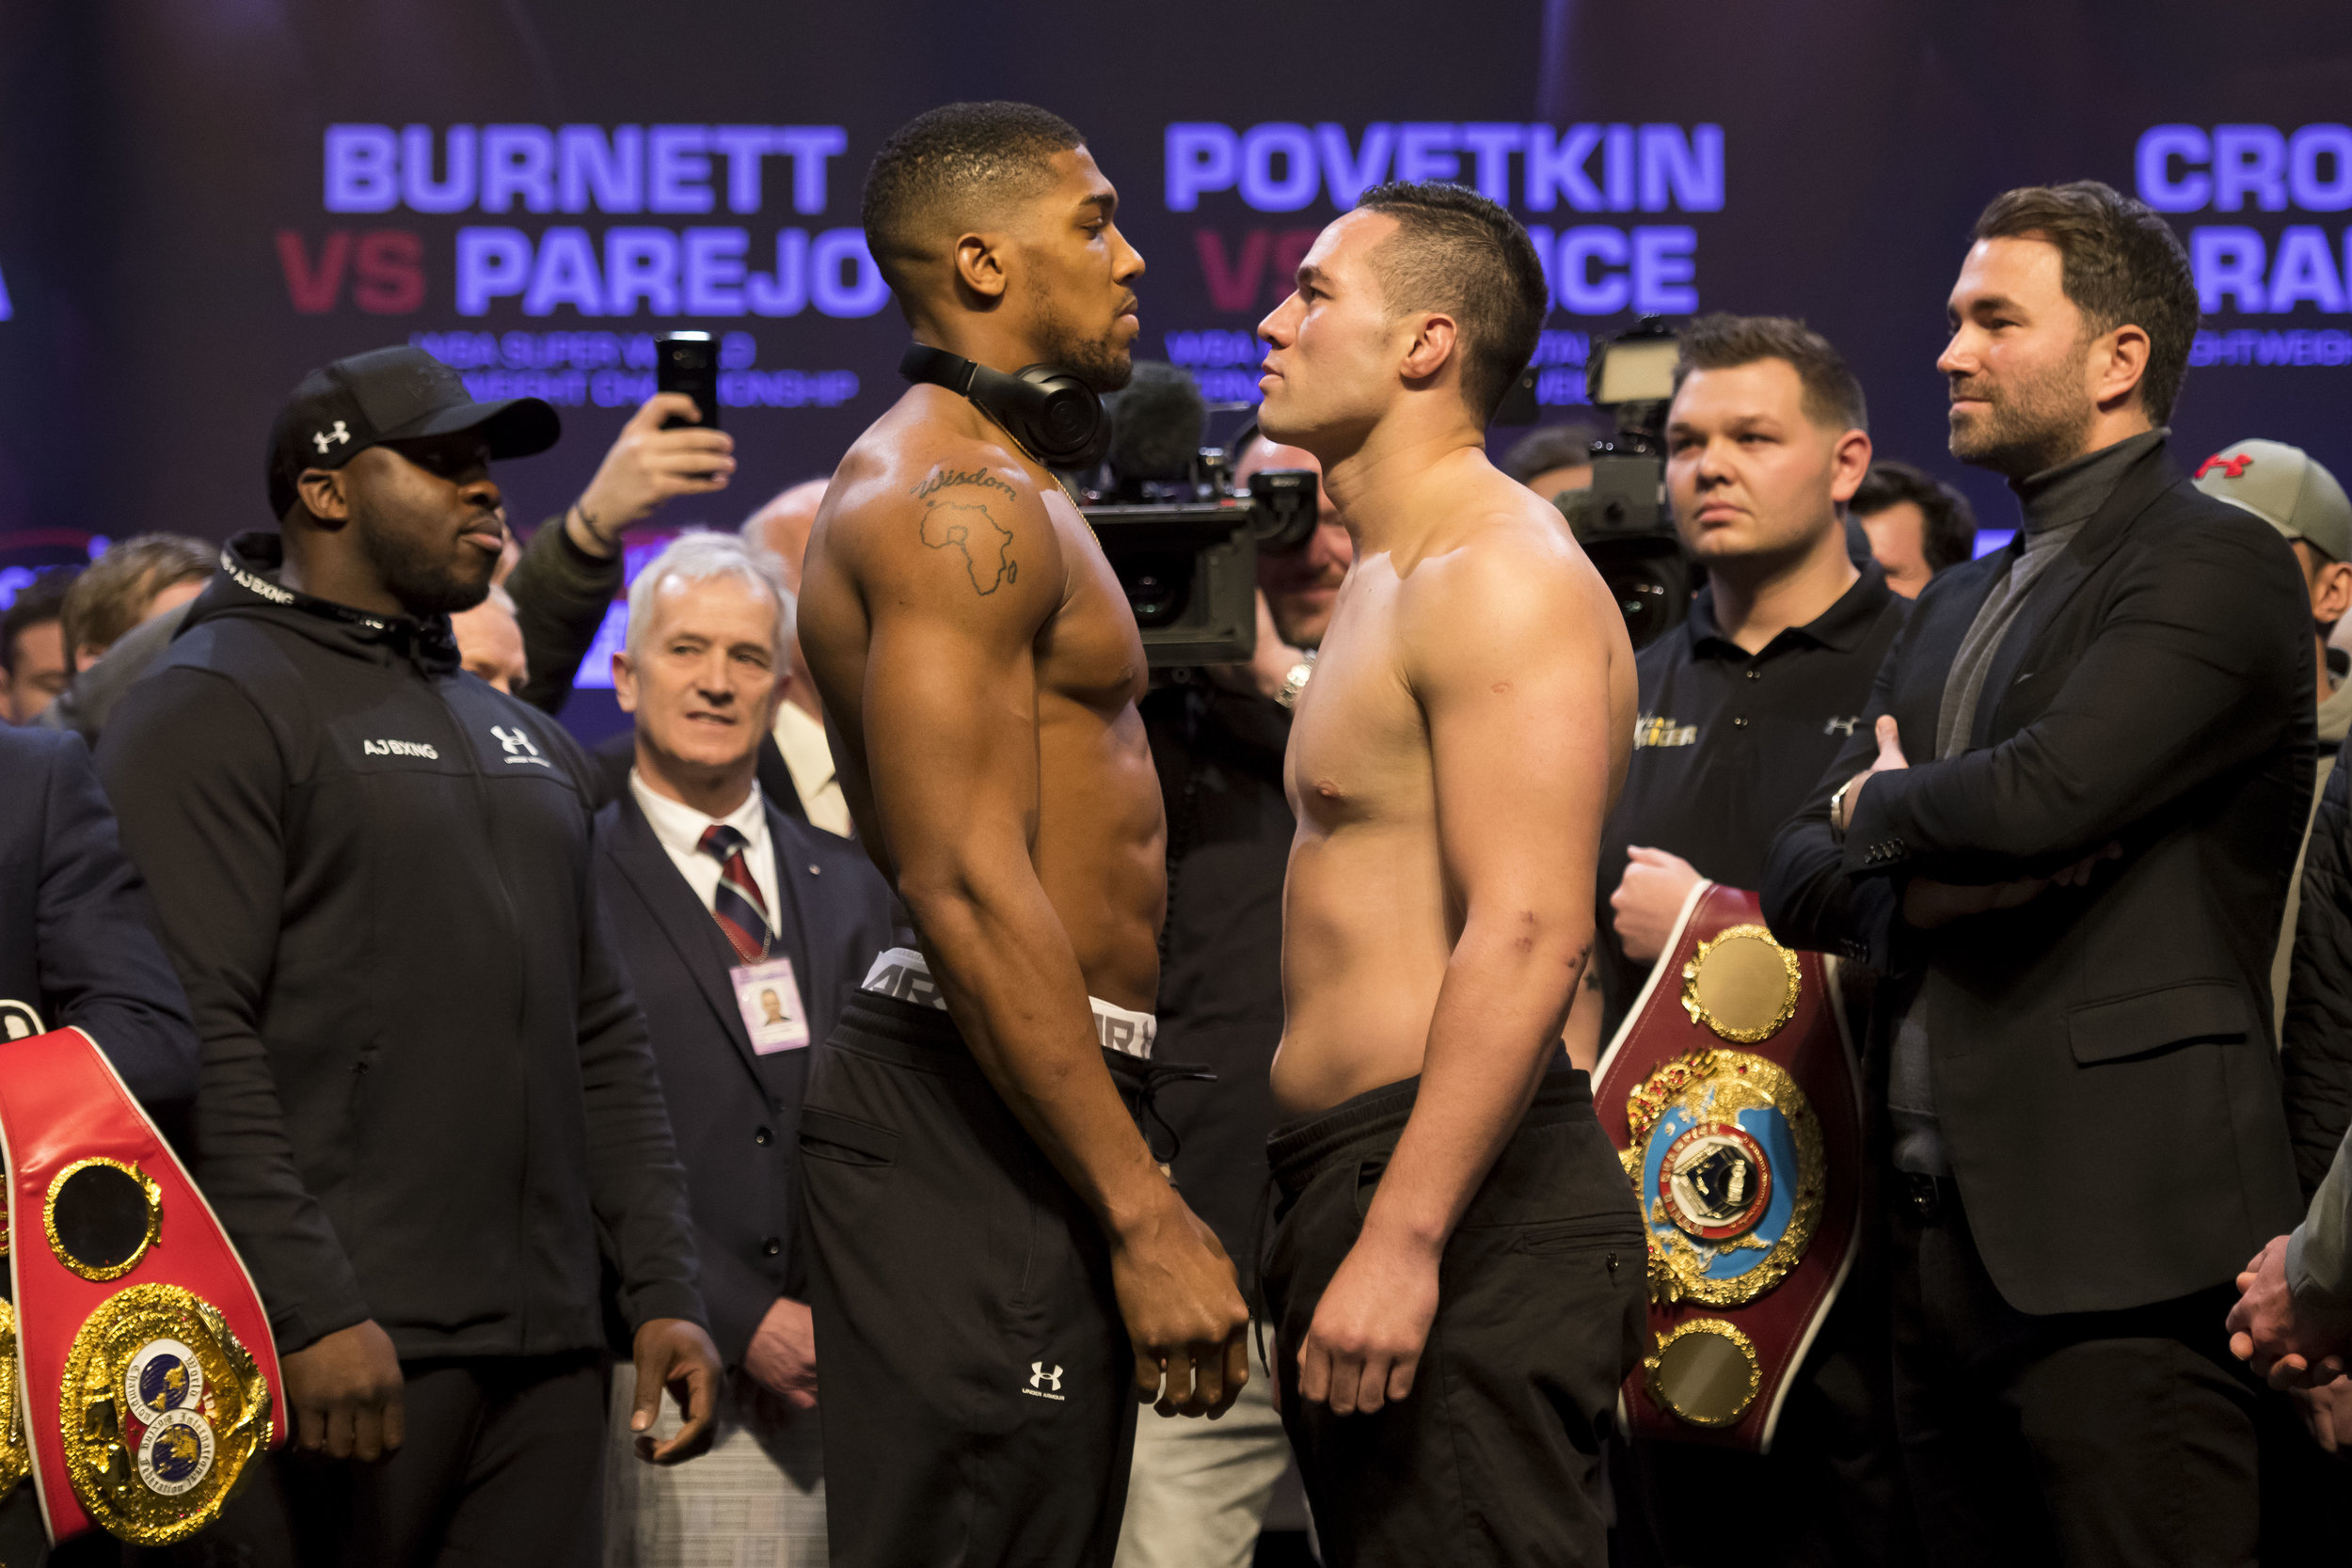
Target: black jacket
562 596
1220 756
76 943
2315 1048
2101 1057
738 1115
427 1094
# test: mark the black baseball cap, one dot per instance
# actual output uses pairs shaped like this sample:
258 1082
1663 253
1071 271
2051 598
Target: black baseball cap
392 394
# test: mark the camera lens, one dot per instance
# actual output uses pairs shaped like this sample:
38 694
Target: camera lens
1284 512
1157 586
1649 578
1641 600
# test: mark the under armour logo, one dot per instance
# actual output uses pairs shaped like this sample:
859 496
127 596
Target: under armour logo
518 746
1842 726
2231 467
325 438
1039 1380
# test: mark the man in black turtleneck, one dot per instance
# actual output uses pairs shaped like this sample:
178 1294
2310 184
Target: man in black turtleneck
428 1116
2070 850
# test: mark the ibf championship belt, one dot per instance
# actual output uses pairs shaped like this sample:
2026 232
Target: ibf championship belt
1732 1098
145 1380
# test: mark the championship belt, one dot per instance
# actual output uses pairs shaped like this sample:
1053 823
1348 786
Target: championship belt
1731 1095
143 1371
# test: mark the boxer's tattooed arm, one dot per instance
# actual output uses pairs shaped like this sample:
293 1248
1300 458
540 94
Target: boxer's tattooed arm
966 526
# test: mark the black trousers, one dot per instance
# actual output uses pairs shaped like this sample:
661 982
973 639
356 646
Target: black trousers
501 1467
2082 1439
1494 1457
978 1400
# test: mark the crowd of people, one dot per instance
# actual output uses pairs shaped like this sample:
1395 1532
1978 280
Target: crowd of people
811 1124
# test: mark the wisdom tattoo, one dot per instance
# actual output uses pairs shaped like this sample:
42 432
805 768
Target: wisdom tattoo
942 478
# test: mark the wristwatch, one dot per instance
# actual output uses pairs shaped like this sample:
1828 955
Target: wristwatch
1837 812
1296 682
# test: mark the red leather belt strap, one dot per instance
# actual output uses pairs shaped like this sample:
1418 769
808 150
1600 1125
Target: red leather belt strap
163 1407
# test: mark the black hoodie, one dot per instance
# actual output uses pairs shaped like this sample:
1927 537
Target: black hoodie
427 1095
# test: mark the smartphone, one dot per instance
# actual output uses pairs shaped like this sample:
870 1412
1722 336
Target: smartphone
687 362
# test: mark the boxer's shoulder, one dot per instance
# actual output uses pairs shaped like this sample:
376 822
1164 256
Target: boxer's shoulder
920 498
1496 571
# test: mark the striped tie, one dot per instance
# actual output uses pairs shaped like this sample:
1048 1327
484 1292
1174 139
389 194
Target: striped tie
736 906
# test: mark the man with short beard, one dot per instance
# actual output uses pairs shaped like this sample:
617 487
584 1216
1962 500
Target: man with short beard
999 1269
428 1116
2075 888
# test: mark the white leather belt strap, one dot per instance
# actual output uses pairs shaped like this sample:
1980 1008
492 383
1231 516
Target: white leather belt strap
903 973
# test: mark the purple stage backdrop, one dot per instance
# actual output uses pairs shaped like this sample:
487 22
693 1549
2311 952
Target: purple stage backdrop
204 199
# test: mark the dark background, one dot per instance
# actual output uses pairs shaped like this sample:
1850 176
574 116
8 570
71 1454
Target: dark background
151 153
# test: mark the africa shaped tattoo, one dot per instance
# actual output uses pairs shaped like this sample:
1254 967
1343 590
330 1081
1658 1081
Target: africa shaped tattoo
971 530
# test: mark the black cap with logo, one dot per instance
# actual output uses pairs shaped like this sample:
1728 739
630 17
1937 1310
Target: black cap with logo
390 394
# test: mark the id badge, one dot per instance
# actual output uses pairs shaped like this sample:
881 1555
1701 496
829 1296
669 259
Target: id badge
770 1000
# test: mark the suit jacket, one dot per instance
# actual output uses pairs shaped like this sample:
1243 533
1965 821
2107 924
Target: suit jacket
77 943
2101 1057
616 755
738 1115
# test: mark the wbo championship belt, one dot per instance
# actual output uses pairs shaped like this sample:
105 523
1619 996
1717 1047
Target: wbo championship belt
1732 1097
142 1380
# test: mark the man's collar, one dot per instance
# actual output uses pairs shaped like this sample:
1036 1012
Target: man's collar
1842 627
680 827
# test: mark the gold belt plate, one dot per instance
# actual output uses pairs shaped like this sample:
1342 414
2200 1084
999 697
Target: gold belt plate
163 1408
16 1456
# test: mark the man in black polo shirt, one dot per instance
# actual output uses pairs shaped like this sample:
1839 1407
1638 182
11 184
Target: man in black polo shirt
1742 707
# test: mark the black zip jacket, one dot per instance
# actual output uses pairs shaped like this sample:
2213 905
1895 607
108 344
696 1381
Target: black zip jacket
427 1097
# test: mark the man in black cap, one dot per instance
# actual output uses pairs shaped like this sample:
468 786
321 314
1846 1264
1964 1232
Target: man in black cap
429 1118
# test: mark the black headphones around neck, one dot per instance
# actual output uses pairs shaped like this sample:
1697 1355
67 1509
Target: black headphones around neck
1052 414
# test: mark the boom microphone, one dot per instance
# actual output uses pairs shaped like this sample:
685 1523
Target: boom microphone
1156 425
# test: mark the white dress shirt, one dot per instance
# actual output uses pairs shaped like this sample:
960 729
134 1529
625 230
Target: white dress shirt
680 829
809 757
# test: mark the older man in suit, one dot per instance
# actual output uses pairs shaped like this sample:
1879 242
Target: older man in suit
742 929
2092 764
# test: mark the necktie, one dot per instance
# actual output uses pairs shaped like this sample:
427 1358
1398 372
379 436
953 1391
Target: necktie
736 906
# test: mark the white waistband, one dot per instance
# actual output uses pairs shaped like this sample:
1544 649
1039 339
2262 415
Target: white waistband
905 974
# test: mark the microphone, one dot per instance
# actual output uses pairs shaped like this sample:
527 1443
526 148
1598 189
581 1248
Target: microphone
1156 426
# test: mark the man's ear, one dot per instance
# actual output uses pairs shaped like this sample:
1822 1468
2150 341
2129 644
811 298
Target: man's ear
623 681
979 263
325 494
2118 362
1435 339
1849 465
776 693
2331 595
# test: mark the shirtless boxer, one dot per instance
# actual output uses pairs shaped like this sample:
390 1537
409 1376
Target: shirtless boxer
999 1267
1456 1268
